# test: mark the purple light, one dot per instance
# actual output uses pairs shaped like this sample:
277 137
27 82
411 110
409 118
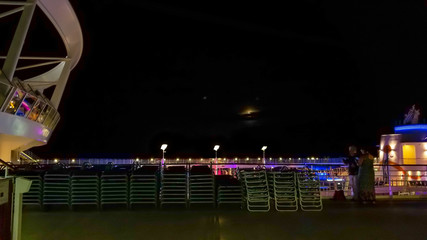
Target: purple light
25 105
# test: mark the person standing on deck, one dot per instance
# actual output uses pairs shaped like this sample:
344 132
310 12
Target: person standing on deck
366 177
353 170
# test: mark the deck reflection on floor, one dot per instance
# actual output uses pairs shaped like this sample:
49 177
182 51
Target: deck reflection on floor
398 219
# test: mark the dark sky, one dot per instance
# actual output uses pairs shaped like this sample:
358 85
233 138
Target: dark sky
317 75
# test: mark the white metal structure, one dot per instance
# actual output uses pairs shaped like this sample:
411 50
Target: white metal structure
27 117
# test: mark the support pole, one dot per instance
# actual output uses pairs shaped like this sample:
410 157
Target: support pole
22 186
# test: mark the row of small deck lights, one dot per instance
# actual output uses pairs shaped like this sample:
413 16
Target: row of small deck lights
220 160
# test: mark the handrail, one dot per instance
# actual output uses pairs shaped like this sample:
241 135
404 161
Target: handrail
8 164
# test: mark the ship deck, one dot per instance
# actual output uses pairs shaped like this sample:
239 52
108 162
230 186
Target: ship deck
389 219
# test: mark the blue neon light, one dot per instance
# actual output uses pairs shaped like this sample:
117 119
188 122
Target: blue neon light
415 127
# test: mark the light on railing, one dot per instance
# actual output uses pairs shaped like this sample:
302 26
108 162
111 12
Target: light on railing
137 159
177 159
280 159
73 160
55 160
235 159
247 159
271 159
152 159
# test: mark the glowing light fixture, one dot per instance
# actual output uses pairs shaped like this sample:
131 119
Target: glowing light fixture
216 147
263 153
163 148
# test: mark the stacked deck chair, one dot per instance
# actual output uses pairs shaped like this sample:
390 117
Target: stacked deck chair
256 189
285 190
114 187
309 191
270 177
229 190
57 187
173 188
85 187
144 185
202 185
35 195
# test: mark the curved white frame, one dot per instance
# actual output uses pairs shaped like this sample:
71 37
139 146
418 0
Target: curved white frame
63 17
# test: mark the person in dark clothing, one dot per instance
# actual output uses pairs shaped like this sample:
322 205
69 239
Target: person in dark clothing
353 170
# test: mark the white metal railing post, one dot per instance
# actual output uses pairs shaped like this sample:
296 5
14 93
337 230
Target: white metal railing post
22 186
333 178
390 191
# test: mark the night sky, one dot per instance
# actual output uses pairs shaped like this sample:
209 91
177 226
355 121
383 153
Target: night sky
304 78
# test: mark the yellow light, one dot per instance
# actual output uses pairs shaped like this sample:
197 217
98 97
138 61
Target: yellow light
137 159
247 159
259 159
189 159
280 159
55 160
201 159
418 173
177 159
235 159
73 160
271 159
409 173
152 159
